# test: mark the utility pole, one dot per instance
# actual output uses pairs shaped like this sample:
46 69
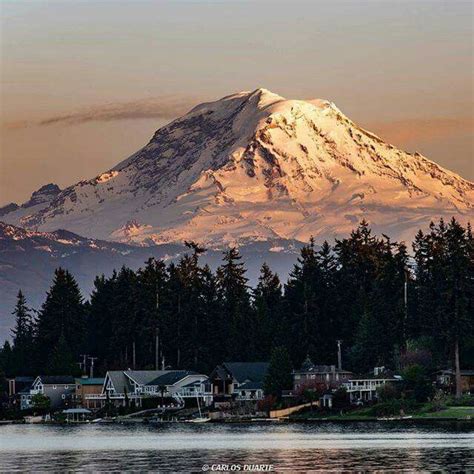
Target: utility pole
92 359
133 355
157 334
83 364
405 311
339 354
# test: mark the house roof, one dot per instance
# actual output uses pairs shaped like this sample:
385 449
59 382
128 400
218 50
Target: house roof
143 377
247 371
119 380
309 367
24 378
89 381
171 377
193 383
57 379
451 372
250 386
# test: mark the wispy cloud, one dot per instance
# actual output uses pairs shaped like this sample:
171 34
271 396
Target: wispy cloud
412 130
400 132
158 108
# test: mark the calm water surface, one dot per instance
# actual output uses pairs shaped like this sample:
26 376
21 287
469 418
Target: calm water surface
187 448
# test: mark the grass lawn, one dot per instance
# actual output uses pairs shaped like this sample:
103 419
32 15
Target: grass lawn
450 412
461 413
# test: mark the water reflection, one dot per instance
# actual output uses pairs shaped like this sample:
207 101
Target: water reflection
186 448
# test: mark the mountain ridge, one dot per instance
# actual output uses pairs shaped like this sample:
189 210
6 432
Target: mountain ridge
255 166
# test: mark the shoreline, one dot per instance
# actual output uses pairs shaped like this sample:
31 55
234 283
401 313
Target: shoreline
320 421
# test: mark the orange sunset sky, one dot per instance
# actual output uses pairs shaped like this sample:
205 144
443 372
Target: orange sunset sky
86 83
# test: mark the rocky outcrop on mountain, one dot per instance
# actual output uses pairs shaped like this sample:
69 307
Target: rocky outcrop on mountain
38 201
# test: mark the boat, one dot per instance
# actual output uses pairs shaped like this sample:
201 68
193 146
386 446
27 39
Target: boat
33 419
200 418
394 418
103 420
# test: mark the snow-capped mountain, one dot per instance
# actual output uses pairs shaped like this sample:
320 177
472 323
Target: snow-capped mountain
255 166
38 201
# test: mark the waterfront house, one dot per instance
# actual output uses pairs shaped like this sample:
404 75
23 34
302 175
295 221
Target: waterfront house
18 390
122 387
311 374
86 386
446 379
364 388
241 381
58 388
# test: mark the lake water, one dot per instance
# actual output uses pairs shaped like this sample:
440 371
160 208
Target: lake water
188 447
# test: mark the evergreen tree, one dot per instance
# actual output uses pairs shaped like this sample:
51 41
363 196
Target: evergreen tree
237 325
152 280
186 309
100 323
267 303
210 328
23 342
62 361
6 360
61 314
279 375
445 287
302 310
124 328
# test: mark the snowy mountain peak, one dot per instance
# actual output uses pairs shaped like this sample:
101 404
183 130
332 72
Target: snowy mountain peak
254 166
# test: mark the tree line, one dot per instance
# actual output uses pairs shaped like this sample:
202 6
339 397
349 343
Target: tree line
364 290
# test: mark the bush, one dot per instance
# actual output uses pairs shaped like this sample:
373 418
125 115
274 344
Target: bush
388 392
416 383
464 401
439 400
40 403
393 408
340 399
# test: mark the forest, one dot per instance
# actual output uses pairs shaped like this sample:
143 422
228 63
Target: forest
380 298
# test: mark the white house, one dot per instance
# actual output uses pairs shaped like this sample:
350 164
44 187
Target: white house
363 389
58 388
137 385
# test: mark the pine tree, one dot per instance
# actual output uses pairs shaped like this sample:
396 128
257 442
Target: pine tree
302 311
238 324
210 328
444 284
152 280
61 313
267 303
124 328
23 342
61 361
6 360
100 322
279 375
